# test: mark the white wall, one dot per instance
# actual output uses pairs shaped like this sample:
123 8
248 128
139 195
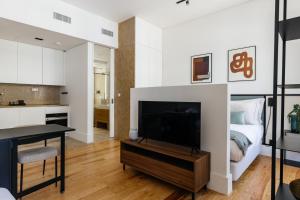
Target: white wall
248 24
79 80
214 123
38 13
148 54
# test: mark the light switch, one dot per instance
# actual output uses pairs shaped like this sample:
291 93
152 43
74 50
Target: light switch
35 89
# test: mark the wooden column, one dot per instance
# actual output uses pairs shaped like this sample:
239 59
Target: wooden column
124 77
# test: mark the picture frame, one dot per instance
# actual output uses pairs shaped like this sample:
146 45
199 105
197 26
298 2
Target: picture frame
242 64
201 68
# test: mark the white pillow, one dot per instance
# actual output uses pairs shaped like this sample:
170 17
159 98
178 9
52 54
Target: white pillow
261 102
252 108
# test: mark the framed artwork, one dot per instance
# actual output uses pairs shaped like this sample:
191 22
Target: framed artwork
202 68
242 64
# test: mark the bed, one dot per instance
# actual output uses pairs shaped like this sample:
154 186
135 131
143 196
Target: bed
255 133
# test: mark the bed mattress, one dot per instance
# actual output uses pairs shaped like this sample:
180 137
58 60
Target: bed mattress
241 163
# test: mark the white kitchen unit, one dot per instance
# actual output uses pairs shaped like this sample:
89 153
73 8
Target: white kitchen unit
30 64
53 67
8 61
9 117
31 116
57 109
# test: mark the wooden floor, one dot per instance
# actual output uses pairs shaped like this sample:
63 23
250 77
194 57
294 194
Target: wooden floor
101 135
94 172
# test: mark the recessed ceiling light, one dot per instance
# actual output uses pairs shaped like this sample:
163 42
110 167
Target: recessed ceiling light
58 43
39 39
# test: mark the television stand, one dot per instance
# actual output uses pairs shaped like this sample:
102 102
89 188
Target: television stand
141 140
170 163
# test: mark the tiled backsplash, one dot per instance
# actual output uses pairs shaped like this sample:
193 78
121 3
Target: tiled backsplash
32 94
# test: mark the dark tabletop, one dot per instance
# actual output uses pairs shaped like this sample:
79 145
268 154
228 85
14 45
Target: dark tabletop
13 133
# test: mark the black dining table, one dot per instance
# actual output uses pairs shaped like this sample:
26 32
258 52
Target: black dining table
11 138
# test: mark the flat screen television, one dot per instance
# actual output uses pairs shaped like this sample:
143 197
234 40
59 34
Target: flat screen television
174 122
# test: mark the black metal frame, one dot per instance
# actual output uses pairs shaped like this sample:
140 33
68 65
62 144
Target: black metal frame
275 95
44 162
33 139
282 152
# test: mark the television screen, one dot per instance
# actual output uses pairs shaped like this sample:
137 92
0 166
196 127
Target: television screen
174 122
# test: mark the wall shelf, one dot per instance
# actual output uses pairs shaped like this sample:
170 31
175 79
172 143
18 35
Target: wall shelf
290 86
290 29
284 192
289 143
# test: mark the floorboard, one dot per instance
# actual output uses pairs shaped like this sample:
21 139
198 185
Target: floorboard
94 172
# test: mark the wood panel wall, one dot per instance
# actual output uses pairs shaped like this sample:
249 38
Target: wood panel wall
124 77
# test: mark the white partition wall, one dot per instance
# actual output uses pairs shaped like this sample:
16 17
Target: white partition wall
79 80
214 123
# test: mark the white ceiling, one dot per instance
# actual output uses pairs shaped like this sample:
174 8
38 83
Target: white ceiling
163 13
19 32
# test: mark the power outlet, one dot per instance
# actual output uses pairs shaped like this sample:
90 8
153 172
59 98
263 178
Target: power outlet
270 102
34 89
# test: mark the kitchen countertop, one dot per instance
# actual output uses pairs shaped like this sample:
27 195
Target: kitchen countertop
106 107
32 105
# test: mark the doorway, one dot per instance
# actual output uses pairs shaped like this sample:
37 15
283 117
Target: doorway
102 94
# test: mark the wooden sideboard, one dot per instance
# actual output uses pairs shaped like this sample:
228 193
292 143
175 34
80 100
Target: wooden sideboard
101 116
169 163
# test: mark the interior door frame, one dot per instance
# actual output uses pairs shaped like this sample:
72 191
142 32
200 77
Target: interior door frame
112 94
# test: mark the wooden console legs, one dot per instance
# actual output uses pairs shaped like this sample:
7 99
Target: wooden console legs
194 196
195 193
123 167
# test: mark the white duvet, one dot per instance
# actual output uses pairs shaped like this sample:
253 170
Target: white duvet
253 132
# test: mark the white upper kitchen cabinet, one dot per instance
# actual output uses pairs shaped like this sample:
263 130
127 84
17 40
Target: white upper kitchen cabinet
31 116
9 117
8 61
30 64
53 67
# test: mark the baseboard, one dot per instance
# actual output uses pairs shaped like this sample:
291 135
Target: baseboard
267 151
90 138
82 137
220 183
